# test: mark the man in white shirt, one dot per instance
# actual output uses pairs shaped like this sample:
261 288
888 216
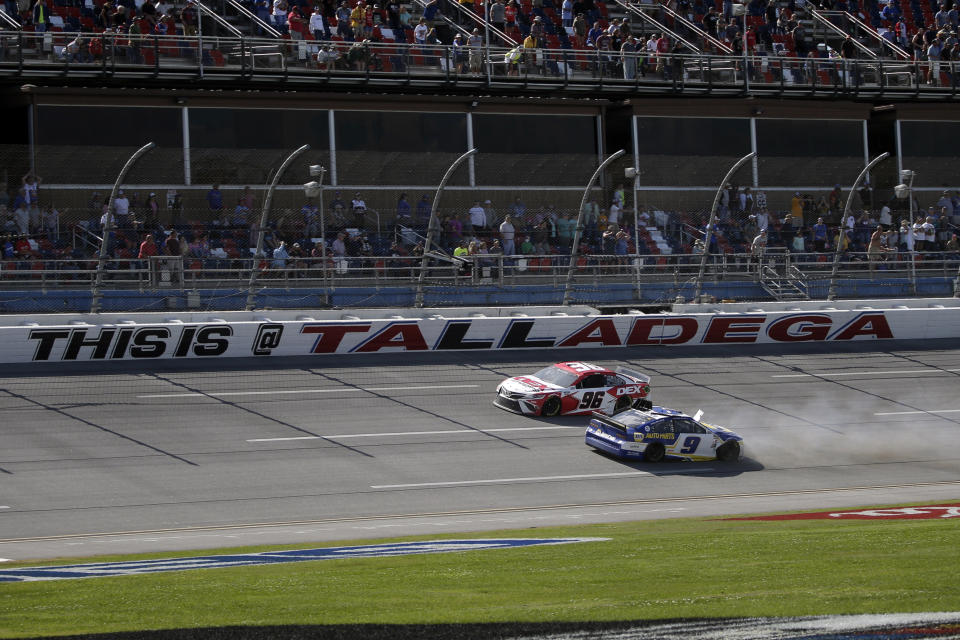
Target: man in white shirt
886 218
919 235
316 24
507 235
614 216
121 208
478 217
930 234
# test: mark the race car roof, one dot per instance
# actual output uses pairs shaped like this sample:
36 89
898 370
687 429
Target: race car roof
582 367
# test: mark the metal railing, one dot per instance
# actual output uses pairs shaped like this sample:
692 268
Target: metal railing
804 270
118 56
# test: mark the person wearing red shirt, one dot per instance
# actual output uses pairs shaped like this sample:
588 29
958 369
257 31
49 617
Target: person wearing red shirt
148 248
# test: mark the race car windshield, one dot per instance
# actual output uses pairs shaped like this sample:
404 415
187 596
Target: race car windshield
557 376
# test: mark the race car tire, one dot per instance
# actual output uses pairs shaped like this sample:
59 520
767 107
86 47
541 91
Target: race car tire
623 403
551 407
729 452
654 452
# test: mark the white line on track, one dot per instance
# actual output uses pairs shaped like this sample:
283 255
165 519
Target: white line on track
912 413
455 483
296 391
4 507
409 433
860 373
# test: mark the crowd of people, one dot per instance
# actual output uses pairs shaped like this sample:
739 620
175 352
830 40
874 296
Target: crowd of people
139 227
625 46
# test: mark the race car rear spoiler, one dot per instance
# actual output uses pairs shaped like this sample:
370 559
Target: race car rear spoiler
633 373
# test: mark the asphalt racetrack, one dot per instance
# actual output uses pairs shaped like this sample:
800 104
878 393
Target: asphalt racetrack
127 457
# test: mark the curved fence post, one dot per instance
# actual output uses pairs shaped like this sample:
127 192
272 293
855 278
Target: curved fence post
418 301
578 230
109 226
712 220
832 292
255 268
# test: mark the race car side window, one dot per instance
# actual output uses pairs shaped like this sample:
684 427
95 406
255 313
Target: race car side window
662 426
593 381
686 425
614 381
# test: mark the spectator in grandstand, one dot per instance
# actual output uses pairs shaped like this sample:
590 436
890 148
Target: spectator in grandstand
507 234
420 32
430 10
628 55
475 44
77 50
423 210
295 23
919 235
215 199
148 249
566 226
528 55
280 256
403 210
343 21
498 19
318 24
21 216
459 50
50 222
933 57
491 215
30 183
452 233
311 219
358 19
189 19
579 31
41 16
929 234
820 236
477 217
121 208
358 209
905 241
280 11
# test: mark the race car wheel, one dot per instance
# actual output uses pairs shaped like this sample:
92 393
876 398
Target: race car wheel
729 452
551 407
654 452
623 403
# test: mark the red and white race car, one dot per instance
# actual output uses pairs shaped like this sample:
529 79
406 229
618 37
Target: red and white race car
572 388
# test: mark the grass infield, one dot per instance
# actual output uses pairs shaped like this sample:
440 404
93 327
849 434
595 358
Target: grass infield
679 568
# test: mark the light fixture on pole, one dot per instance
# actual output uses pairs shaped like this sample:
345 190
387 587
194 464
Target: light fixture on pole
314 189
905 190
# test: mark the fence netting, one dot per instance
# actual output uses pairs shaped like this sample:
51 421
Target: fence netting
349 229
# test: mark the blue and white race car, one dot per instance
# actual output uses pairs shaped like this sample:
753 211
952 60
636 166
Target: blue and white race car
657 433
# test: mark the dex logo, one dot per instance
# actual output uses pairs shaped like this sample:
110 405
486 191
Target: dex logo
268 339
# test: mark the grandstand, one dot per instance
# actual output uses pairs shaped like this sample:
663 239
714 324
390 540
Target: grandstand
226 90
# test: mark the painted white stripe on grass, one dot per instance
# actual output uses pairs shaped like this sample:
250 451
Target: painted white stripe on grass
306 391
913 413
585 476
861 373
410 433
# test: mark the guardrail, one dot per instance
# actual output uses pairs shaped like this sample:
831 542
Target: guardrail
163 272
60 55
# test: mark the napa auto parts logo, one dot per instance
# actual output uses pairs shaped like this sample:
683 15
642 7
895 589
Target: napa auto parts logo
925 512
